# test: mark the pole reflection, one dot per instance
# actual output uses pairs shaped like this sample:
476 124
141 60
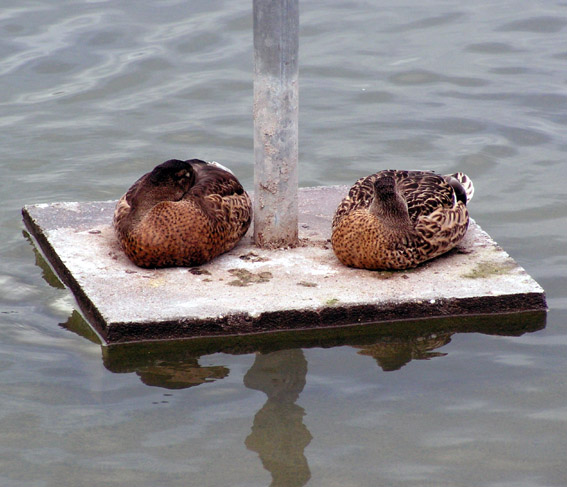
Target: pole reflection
278 433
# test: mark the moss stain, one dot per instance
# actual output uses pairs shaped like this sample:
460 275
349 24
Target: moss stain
197 271
253 257
488 269
245 277
307 284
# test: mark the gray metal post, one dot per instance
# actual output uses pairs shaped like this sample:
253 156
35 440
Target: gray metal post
276 91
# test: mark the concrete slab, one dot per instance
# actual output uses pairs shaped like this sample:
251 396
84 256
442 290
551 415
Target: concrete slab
251 290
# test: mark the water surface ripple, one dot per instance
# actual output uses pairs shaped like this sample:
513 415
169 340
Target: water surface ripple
95 93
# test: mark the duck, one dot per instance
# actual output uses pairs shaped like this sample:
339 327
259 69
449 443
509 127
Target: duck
398 219
182 213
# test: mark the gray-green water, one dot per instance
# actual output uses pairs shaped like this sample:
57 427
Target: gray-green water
95 93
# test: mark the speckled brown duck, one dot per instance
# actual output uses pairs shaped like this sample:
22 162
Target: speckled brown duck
397 219
183 213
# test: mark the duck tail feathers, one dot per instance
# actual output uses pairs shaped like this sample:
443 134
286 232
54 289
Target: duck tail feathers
219 165
466 183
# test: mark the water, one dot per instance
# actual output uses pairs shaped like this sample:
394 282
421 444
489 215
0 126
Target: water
96 93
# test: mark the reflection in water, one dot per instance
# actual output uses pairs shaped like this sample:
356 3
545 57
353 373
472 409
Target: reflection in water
175 364
180 375
77 324
278 433
393 355
47 273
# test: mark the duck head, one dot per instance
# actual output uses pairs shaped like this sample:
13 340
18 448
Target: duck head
169 181
388 204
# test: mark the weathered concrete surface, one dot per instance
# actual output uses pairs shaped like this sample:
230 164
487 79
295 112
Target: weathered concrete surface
251 290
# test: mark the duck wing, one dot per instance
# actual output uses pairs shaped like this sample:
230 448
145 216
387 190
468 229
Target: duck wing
359 197
423 191
441 230
213 179
124 205
221 196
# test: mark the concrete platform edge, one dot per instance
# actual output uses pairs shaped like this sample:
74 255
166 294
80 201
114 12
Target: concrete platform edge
243 323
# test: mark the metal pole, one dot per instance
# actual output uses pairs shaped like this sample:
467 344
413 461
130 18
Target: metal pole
276 91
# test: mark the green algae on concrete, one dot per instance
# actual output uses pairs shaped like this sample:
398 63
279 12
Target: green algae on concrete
307 284
244 277
487 269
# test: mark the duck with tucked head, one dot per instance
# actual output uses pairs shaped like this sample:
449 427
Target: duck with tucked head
183 213
398 219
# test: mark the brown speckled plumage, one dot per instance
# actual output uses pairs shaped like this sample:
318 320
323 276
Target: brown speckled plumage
398 219
183 213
